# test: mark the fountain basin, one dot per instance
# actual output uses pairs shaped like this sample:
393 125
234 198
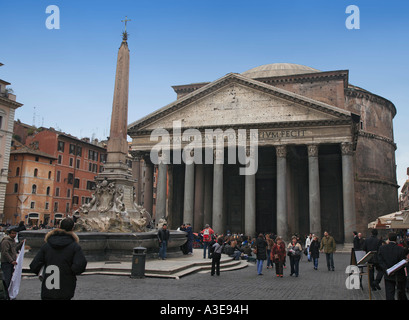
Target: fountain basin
110 246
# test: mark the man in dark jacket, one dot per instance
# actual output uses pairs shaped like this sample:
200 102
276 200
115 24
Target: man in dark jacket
373 244
62 259
163 237
389 255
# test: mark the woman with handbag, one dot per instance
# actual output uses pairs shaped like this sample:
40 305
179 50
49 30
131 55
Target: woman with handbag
278 256
294 252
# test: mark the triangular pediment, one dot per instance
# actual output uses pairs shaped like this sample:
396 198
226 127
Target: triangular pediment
235 100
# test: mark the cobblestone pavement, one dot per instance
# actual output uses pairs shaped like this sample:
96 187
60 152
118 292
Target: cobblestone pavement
243 284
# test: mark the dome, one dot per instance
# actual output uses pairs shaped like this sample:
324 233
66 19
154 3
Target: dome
278 69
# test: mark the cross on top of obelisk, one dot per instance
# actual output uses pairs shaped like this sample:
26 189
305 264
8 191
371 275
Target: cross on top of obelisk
125 34
125 21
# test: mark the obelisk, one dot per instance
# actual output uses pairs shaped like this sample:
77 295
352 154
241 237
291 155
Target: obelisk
117 143
116 169
112 207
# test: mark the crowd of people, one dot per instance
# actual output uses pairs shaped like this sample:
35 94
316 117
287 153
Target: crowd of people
387 253
23 226
62 249
267 247
273 249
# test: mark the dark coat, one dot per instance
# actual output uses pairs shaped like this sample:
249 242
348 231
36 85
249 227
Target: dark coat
189 231
389 255
62 250
358 243
261 246
372 244
163 235
314 249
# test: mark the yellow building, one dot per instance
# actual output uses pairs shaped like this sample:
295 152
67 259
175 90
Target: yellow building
30 188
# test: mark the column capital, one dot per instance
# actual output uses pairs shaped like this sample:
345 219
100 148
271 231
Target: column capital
136 155
347 148
146 158
281 151
312 150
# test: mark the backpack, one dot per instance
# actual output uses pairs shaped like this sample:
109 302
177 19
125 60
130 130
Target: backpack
206 235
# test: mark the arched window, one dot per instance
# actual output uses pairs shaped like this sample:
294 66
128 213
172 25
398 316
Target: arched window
35 172
49 174
34 189
15 187
48 191
18 171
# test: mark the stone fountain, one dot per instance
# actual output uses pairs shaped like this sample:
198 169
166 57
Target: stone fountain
112 224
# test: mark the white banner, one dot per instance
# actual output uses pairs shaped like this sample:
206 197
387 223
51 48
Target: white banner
16 279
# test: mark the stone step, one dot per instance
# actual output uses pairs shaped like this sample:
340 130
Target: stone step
175 273
170 268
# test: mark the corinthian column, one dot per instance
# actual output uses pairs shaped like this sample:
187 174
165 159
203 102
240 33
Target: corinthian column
250 203
189 196
348 190
314 190
217 222
148 186
282 218
161 187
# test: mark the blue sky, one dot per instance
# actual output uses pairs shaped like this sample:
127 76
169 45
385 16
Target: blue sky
65 77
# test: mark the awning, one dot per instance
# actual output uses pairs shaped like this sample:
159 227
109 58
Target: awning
395 220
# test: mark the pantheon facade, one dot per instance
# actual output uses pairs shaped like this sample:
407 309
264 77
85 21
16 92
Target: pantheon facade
324 148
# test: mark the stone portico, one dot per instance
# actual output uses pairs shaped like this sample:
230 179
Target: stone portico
297 131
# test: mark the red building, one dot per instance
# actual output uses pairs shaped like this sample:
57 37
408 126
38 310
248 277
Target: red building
78 162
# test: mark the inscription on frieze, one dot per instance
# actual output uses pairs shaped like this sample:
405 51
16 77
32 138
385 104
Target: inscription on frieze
262 135
280 134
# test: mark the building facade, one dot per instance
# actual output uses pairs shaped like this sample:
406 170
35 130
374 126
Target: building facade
323 148
8 105
77 163
404 195
29 194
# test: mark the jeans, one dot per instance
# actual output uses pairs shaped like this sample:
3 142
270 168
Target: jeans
236 255
315 263
162 249
190 245
206 245
294 263
330 261
269 262
260 266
